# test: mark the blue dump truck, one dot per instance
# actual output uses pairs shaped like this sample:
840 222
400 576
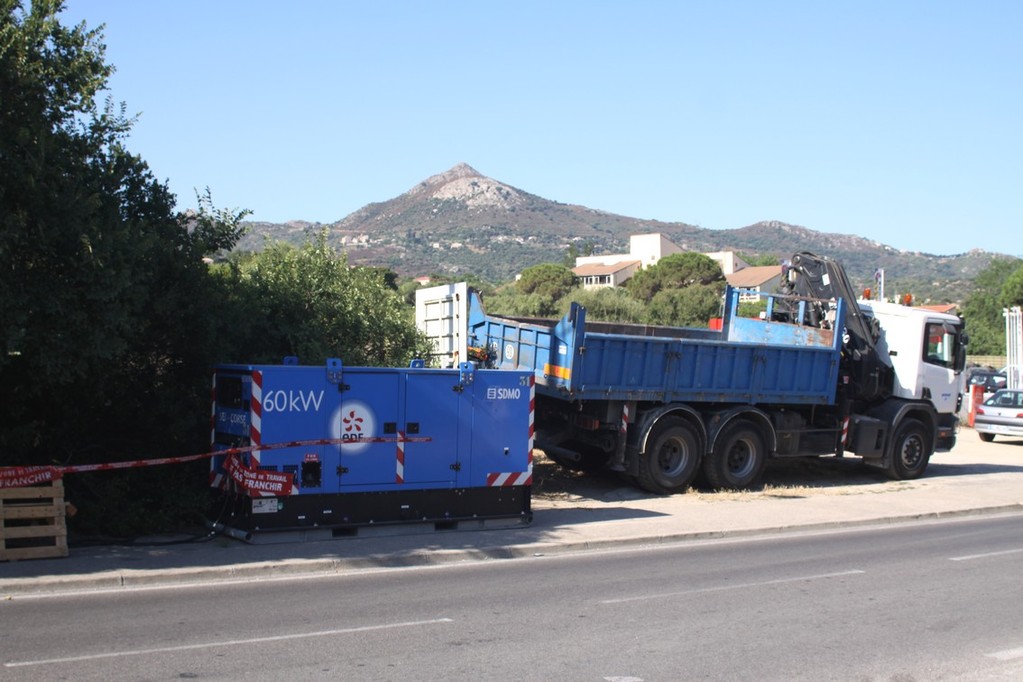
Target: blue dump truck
817 373
333 449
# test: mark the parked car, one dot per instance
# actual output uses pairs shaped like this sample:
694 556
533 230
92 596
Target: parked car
990 380
1000 414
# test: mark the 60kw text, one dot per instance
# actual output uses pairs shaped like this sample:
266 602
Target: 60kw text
292 401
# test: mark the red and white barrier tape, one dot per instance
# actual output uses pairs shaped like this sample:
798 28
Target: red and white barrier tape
17 477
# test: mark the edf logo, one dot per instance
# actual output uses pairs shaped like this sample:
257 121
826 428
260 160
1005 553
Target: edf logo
351 426
353 423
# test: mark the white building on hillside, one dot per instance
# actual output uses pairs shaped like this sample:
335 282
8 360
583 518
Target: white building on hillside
729 261
605 275
611 270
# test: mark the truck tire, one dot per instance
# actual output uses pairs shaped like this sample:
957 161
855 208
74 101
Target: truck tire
911 450
671 459
738 459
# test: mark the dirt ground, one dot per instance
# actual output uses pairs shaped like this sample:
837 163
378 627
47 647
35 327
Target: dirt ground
792 477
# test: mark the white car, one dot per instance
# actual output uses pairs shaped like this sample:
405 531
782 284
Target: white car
1001 414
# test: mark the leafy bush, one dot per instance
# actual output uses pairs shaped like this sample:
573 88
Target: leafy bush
676 271
307 302
607 305
692 306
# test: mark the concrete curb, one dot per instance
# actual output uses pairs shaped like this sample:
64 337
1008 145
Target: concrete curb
121 579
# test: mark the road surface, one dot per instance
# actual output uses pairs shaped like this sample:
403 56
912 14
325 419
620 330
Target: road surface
927 600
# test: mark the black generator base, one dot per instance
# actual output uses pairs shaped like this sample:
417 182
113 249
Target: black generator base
322 516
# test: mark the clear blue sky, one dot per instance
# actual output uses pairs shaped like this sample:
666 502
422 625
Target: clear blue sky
900 121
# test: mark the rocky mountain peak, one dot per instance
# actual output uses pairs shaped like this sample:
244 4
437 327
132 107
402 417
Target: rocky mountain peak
465 184
460 171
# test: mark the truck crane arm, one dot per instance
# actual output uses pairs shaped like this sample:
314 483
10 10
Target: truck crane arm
822 279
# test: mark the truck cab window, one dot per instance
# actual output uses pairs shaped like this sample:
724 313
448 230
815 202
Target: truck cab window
939 345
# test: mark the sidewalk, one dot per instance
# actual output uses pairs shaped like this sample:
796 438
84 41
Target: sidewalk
570 514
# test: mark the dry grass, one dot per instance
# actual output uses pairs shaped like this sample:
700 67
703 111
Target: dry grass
792 478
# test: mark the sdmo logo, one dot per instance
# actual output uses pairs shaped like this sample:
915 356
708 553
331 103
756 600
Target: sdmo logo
501 393
353 423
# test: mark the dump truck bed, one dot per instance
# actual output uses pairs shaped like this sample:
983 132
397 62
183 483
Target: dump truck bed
749 360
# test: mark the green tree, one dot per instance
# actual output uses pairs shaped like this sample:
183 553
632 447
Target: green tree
982 309
1012 289
107 313
102 284
574 252
570 256
607 304
752 308
538 290
761 259
526 305
677 271
547 279
692 306
307 302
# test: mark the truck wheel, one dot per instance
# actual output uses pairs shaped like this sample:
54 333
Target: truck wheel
986 437
738 459
671 459
911 450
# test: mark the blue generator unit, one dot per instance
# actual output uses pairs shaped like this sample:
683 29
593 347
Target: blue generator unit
340 448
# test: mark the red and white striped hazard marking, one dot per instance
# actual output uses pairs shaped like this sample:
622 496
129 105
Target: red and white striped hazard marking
256 418
509 479
399 475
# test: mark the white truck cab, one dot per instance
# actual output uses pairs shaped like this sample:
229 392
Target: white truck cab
925 349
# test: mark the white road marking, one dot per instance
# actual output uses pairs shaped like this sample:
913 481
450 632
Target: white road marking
970 557
740 586
1007 655
234 642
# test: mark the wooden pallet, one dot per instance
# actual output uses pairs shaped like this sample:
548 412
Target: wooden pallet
32 522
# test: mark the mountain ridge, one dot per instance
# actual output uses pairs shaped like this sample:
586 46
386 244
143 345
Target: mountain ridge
462 222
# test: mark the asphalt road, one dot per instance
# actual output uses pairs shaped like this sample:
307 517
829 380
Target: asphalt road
923 600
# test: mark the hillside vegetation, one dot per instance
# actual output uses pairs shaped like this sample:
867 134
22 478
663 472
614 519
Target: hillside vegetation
461 223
